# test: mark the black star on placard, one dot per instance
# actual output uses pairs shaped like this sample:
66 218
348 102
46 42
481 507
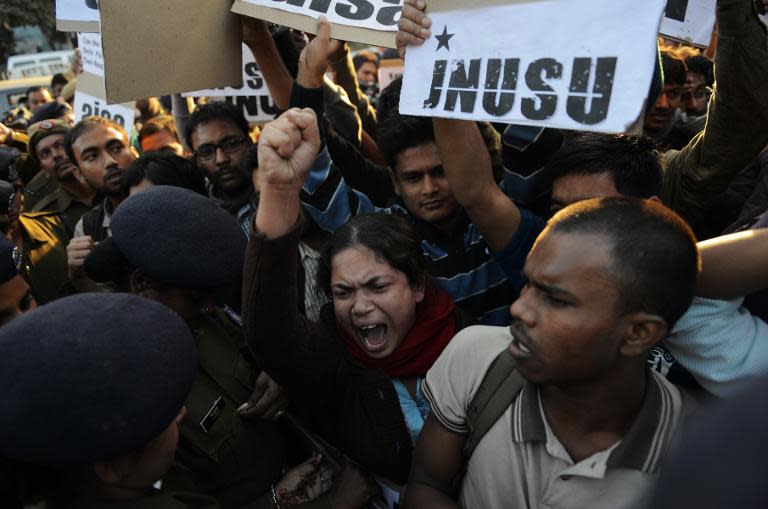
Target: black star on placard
443 39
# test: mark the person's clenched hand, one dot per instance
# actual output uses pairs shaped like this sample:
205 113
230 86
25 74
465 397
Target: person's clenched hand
267 400
316 55
288 147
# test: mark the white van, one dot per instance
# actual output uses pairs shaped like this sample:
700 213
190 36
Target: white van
39 64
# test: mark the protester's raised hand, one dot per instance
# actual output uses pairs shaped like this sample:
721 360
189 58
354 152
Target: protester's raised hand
413 27
252 30
316 55
288 147
77 251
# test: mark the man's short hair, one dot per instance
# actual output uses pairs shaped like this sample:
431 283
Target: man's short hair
702 65
674 67
389 100
401 132
634 162
364 56
215 111
165 169
653 251
36 88
158 124
85 125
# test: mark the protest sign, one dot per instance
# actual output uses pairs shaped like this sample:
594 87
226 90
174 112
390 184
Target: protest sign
77 15
253 96
553 63
389 70
367 21
155 48
87 105
689 21
91 54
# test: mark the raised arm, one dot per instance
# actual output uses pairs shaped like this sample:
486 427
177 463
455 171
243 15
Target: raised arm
463 152
284 342
258 39
737 119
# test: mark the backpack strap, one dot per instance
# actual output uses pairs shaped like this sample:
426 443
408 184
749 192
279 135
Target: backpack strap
498 390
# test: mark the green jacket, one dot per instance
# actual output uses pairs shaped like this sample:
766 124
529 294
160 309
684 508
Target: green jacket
234 460
737 122
44 239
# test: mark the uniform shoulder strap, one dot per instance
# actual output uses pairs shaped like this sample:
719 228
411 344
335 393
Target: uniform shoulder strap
499 388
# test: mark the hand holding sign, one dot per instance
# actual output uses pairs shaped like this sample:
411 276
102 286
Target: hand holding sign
413 27
315 56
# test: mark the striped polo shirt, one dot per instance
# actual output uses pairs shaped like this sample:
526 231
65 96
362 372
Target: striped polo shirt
520 463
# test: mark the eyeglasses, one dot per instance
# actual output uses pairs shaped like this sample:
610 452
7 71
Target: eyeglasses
207 151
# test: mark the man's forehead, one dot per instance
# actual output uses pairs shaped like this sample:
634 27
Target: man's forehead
48 141
214 131
421 158
570 259
578 187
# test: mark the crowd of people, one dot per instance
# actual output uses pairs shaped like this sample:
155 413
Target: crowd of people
349 307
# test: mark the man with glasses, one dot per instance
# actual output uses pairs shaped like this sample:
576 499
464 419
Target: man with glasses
218 135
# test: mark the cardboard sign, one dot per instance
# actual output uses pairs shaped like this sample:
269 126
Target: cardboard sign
87 105
253 96
91 53
371 22
555 63
155 48
690 21
389 70
77 15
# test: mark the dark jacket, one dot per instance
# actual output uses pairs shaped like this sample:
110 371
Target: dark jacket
354 408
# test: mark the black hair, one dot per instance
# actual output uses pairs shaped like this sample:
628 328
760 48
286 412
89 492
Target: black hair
158 124
700 64
634 162
401 132
85 125
364 56
392 240
674 67
653 252
36 88
51 110
215 111
58 79
389 100
165 169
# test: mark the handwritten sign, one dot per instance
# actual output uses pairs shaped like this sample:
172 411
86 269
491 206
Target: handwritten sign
77 15
91 53
87 105
555 63
368 21
253 96
689 21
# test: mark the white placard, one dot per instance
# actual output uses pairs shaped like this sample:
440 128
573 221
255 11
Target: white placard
253 96
690 21
583 65
74 15
87 105
372 14
91 53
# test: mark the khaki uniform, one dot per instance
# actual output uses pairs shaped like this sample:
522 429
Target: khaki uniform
62 202
44 238
220 454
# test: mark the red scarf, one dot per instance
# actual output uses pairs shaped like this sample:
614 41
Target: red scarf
432 330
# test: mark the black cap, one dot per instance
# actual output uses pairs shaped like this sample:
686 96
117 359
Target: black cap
91 377
177 237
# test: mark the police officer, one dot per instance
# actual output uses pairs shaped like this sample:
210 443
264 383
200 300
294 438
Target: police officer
15 297
177 247
93 390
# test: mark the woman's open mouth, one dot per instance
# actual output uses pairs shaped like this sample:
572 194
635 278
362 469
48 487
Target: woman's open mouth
374 336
